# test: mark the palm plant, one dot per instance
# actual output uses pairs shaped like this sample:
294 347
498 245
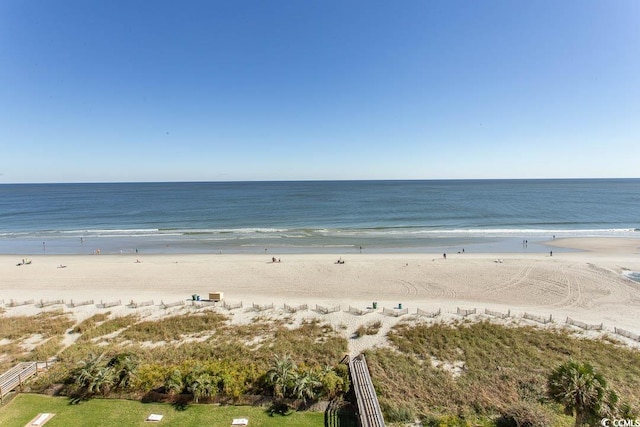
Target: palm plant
581 390
102 381
174 383
305 386
94 376
201 385
281 375
87 370
124 368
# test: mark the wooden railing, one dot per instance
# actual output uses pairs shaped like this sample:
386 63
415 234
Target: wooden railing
369 410
294 309
465 312
497 314
627 334
262 307
16 376
395 312
538 319
109 304
585 326
326 310
359 312
431 314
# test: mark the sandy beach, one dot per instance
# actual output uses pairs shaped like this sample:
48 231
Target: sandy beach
586 285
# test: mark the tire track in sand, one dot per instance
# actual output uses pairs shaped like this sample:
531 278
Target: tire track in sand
520 277
410 290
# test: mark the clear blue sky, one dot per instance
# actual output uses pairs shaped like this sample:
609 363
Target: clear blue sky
300 89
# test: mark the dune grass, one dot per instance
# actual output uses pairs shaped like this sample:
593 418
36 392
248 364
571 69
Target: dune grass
127 413
500 367
91 322
95 329
49 326
175 327
312 341
371 328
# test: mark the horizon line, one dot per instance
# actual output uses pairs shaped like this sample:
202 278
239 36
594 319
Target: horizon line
319 180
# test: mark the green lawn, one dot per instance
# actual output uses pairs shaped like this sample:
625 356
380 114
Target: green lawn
125 413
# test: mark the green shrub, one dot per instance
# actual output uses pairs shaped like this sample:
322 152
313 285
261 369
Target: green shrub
396 413
525 415
150 377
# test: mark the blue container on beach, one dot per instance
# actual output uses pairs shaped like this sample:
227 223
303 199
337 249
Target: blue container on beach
400 306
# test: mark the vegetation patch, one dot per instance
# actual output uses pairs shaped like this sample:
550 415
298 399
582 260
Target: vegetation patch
443 374
223 367
19 333
46 323
506 369
107 327
371 328
174 327
46 349
90 322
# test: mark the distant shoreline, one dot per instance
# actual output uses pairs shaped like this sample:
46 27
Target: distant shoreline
203 244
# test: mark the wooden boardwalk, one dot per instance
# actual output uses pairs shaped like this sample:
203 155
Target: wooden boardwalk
369 410
16 376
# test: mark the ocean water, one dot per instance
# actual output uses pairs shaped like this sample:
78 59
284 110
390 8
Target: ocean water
633 275
313 216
